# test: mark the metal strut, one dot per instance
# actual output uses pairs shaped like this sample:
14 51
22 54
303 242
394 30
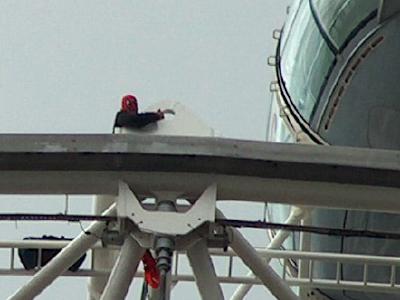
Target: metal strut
164 247
257 265
123 271
59 264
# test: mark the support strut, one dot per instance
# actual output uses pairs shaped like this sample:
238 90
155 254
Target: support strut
164 247
294 218
204 271
123 271
257 265
60 263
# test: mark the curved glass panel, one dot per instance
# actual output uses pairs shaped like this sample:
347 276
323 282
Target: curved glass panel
305 61
342 17
294 7
316 31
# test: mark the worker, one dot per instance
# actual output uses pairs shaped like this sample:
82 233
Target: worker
130 117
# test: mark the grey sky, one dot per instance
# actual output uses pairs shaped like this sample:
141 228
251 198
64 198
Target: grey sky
65 64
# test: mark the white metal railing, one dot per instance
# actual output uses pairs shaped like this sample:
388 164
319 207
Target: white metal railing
366 261
391 263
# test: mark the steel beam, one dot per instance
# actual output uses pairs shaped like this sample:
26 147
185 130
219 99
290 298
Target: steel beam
257 265
335 177
123 271
104 258
296 214
305 246
60 263
204 271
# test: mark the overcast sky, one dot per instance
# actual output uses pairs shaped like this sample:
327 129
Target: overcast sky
64 66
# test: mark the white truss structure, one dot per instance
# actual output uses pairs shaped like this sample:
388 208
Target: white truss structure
309 281
202 171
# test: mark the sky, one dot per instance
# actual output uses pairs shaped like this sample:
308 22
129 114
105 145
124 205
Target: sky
64 66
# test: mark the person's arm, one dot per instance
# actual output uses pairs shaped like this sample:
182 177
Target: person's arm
124 119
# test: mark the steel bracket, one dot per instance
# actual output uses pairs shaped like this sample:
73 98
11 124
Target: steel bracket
167 222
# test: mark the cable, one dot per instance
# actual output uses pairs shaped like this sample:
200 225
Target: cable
311 229
222 222
54 217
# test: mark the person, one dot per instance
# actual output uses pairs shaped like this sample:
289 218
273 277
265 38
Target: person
130 117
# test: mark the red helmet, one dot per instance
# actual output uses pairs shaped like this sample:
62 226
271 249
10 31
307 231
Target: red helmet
129 103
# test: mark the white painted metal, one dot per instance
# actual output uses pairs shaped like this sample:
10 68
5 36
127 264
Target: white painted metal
167 222
59 264
103 259
316 283
231 185
305 245
44 244
182 123
327 256
204 271
258 266
391 263
23 272
123 271
244 187
286 254
296 214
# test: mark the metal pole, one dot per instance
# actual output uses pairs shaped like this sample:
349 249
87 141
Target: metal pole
304 264
257 265
123 271
103 259
204 272
294 218
159 293
164 247
63 260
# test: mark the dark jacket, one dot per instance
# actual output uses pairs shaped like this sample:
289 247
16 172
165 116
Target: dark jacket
134 120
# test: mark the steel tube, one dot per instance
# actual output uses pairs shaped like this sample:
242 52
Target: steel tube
204 271
164 247
305 245
103 259
294 218
60 263
257 265
123 271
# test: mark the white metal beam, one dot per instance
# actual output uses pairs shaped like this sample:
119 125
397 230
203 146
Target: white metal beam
335 177
123 271
63 260
305 245
204 271
390 263
203 210
257 265
104 258
296 214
